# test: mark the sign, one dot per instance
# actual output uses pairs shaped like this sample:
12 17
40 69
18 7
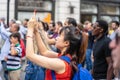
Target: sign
34 4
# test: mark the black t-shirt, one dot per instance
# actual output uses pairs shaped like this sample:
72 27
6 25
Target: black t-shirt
100 52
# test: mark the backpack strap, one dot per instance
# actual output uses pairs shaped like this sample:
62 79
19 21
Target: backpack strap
65 58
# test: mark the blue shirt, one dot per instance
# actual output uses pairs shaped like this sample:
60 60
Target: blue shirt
6 47
112 36
1 40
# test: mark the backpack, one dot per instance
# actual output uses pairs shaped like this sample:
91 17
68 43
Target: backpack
81 74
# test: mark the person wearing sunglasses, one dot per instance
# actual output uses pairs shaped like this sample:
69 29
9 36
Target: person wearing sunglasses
102 65
115 46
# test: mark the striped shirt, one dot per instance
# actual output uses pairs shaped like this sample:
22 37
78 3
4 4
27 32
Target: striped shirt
14 61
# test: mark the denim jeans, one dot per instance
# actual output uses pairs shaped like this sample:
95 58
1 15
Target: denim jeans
34 72
4 65
88 59
1 71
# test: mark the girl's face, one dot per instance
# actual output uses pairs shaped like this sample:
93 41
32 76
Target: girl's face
60 43
13 40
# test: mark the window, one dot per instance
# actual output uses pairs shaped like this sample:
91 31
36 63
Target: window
86 8
112 10
91 18
110 18
92 10
47 5
40 15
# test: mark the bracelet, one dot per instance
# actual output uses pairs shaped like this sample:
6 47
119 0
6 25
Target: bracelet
29 37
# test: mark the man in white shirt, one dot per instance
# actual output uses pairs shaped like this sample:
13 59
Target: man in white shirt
6 47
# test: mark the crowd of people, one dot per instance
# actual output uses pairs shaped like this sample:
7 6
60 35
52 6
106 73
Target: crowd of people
37 48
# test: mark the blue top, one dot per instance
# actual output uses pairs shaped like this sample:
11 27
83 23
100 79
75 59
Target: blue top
90 40
6 47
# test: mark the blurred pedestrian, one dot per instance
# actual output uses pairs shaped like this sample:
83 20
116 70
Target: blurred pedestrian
102 66
115 46
88 30
115 26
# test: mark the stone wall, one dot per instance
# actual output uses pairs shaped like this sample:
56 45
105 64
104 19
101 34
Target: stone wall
62 9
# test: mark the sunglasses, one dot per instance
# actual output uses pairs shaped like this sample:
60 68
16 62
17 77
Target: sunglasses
117 37
96 25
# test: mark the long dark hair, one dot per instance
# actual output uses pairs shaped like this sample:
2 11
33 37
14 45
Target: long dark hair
75 38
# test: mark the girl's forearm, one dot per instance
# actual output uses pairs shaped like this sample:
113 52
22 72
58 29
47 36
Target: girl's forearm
29 44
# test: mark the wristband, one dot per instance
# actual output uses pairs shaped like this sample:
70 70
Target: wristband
29 37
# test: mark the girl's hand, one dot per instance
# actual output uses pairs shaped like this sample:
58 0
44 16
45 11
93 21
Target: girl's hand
38 27
32 22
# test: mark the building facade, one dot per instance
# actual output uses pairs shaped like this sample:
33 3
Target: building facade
25 8
58 10
67 8
3 8
92 10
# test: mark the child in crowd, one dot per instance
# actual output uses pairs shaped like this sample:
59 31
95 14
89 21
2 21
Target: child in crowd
14 57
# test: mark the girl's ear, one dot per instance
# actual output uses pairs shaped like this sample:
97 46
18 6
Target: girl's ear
67 43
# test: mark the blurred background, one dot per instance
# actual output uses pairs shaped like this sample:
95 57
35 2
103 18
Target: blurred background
58 10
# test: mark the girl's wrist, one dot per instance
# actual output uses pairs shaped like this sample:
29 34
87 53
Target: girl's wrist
31 37
30 33
30 30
